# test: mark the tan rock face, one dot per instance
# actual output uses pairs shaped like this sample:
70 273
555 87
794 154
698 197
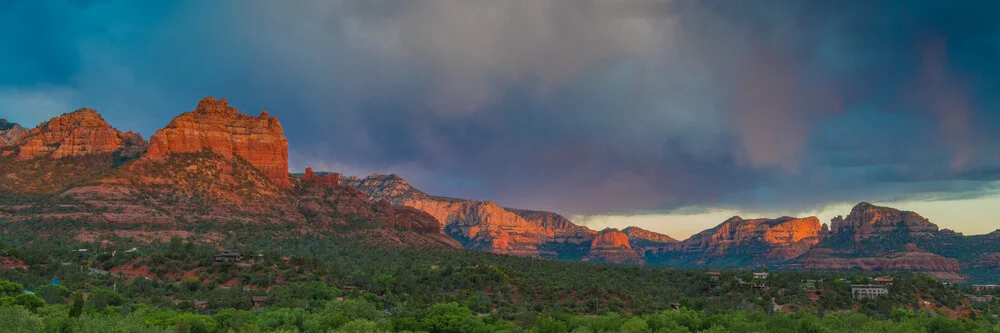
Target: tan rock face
216 126
77 133
867 220
612 245
391 188
10 132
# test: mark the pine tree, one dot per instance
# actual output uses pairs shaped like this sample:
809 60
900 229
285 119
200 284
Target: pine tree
77 308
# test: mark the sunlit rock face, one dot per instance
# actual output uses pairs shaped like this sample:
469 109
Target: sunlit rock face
216 126
612 245
484 225
78 133
867 220
330 179
772 239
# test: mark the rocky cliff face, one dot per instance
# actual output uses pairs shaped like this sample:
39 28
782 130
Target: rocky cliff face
391 188
484 225
211 167
738 241
216 126
78 133
645 241
10 132
867 220
787 236
612 245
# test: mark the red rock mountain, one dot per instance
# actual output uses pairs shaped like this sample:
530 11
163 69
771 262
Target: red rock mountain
78 133
612 245
210 169
644 241
10 132
867 220
486 226
216 166
738 240
216 126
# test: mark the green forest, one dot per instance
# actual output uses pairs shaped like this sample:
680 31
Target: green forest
330 284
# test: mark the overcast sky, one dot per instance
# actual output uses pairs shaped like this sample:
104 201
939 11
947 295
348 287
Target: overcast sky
615 112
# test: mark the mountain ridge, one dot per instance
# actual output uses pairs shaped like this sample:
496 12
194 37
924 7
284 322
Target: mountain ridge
215 166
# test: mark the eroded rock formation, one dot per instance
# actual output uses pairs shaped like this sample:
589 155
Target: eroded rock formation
216 126
782 238
78 133
612 245
867 220
329 179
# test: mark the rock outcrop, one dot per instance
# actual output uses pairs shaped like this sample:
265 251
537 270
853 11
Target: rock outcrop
10 132
216 126
391 188
78 133
867 220
612 245
329 179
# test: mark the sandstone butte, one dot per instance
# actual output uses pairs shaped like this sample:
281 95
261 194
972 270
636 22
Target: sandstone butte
216 126
10 132
77 133
867 220
612 245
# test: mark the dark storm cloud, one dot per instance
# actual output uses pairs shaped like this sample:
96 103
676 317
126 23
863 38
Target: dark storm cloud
575 106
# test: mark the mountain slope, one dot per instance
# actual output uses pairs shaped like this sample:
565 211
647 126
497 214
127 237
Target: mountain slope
739 242
197 181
